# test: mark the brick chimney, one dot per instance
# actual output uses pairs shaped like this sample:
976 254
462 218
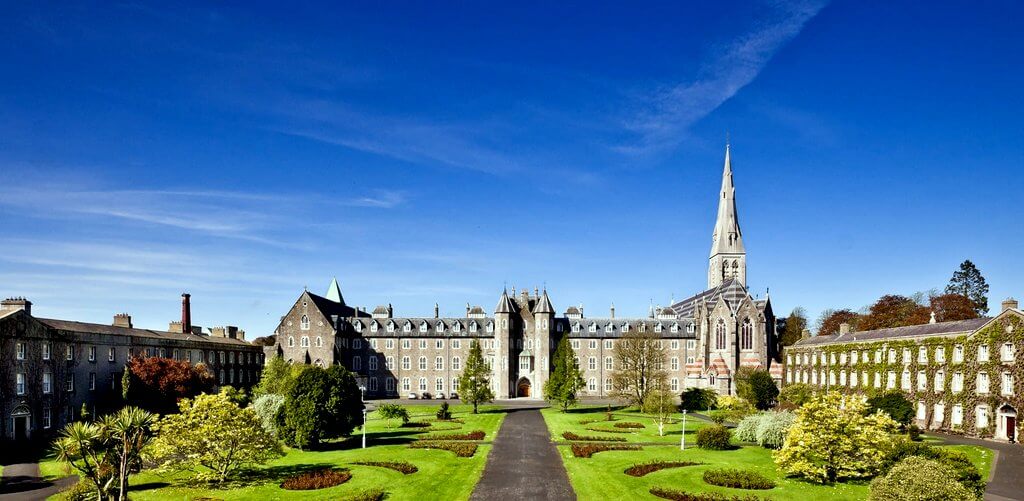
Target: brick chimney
15 304
1008 304
844 329
806 334
123 320
217 332
186 313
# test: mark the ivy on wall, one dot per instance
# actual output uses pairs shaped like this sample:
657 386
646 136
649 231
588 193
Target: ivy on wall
1008 327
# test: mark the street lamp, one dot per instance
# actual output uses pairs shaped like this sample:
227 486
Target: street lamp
362 397
682 435
364 427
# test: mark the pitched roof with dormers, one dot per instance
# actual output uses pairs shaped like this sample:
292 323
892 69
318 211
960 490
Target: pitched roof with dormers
731 290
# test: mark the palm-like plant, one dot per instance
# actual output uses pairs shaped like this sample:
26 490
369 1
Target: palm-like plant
106 451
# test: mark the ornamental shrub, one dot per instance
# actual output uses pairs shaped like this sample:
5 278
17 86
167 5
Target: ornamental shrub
714 437
734 408
473 435
266 407
461 449
833 439
403 467
587 438
796 394
639 470
588 450
737 479
894 404
443 413
964 470
698 399
321 404
628 424
772 429
746 430
394 411
757 387
919 479
677 495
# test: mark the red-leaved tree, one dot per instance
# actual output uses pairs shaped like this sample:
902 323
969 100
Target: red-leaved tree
157 383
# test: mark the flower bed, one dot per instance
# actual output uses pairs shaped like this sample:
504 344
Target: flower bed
587 450
639 470
628 424
473 435
677 495
415 424
374 494
461 449
584 438
403 467
318 479
609 430
738 479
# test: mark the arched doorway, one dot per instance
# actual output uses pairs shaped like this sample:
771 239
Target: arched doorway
21 417
523 388
1006 423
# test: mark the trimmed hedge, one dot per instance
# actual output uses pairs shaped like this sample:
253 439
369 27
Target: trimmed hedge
415 424
461 449
677 495
738 479
585 438
587 450
473 435
403 467
714 437
628 424
317 479
639 470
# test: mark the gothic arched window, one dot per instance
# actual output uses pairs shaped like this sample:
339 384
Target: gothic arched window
304 323
747 335
720 335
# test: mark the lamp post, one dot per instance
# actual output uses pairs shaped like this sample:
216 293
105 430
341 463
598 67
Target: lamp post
362 397
364 428
682 435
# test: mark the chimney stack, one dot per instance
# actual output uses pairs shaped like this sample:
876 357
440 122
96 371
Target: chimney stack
437 312
123 320
613 311
467 310
806 334
15 304
844 329
1008 304
186 314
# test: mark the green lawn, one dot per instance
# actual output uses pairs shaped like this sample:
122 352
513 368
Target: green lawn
559 422
441 475
602 476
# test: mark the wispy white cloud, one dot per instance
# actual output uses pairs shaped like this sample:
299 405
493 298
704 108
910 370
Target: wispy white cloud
667 114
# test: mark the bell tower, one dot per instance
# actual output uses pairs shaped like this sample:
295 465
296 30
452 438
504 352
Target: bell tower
728 259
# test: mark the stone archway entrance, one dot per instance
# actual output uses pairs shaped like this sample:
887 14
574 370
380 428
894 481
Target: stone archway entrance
21 417
1006 423
523 388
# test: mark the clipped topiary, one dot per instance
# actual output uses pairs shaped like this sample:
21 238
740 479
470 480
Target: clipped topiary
714 437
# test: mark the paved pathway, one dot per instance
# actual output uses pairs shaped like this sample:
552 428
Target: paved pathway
1007 481
524 463
22 482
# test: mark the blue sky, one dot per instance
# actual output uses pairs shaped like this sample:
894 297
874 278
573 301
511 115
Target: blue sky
423 153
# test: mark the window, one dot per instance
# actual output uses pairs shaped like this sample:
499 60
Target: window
46 350
922 410
906 355
423 384
406 364
592 385
607 344
747 335
690 359
319 341
423 344
853 379
937 413
958 382
940 354
389 384
922 355
389 363
407 327
814 378
905 381
456 363
981 416
956 418
357 343
892 355
69 353
111 355
303 343
890 381
940 381
69 384
878 356
1007 384
372 361
291 343
983 353
575 344
982 386
439 344
92 381
958 354
439 363
789 376
842 358
842 378
592 363
389 344
878 380
455 384
922 381
439 384
1007 352
20 383
608 385
853 357
423 327
406 344
673 363
456 344
423 363
593 344
373 384
720 336
608 363
831 377
304 323
46 417
674 344
405 384
47 383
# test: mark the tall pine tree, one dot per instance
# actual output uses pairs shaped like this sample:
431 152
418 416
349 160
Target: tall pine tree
969 282
475 381
566 379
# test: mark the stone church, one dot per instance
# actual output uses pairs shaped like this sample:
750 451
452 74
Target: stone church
707 336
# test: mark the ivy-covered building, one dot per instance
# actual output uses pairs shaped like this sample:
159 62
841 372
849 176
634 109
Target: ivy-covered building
962 376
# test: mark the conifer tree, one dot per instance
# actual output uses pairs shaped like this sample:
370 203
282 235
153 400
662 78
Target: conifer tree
475 381
969 282
566 378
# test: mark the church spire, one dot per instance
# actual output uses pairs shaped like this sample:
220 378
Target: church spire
334 292
728 256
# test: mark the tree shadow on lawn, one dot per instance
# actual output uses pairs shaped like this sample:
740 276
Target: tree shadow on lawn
595 410
372 439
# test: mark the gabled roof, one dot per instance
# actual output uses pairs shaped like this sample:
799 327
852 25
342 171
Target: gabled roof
936 329
329 308
544 305
731 290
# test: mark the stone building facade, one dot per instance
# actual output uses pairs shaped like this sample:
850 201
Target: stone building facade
54 367
708 336
962 376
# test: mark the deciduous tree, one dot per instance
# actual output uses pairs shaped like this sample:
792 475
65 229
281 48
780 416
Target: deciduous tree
321 404
393 411
893 310
475 382
639 366
968 281
566 379
757 387
157 384
950 307
212 435
831 320
794 326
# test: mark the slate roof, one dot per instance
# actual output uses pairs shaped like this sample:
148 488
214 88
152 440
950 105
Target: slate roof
936 329
617 323
329 308
544 305
731 290
89 328
448 324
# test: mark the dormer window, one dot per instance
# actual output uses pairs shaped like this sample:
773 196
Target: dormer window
358 326
457 327
657 327
690 328
576 327
625 327
675 328
472 327
373 327
304 323
593 327
609 328
391 327
423 327
439 327
407 327
490 326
